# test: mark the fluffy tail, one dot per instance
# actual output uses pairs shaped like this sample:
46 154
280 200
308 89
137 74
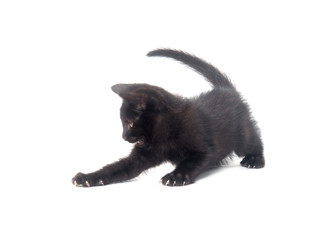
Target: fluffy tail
212 74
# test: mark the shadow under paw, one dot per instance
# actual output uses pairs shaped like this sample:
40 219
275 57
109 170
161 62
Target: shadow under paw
175 179
253 161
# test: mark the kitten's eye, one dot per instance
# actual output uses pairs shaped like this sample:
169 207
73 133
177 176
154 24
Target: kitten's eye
131 125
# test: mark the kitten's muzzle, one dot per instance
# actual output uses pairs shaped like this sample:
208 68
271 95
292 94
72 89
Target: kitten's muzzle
131 139
134 140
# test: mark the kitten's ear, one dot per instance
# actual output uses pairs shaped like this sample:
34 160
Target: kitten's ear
121 88
137 99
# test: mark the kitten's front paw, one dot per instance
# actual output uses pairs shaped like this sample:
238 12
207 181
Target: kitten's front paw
176 179
84 180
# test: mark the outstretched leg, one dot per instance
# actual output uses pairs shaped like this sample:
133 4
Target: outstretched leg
125 169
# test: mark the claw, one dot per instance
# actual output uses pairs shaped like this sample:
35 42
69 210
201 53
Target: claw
168 182
75 183
174 183
87 183
101 183
184 183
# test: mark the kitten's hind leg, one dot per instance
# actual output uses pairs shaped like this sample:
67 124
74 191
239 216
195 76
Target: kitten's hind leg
253 153
250 146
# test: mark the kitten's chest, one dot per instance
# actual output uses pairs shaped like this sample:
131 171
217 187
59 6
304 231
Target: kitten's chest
171 151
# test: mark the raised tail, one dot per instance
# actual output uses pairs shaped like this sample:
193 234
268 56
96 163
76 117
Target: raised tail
212 74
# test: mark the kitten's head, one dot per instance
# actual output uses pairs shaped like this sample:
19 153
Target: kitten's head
140 108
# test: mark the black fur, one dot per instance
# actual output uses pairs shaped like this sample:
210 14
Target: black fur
193 134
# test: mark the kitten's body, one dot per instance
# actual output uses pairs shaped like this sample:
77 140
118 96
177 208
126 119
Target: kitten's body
194 134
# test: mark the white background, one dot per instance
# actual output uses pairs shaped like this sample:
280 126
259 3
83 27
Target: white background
58 116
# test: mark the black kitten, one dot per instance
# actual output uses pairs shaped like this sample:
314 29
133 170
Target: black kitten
193 134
